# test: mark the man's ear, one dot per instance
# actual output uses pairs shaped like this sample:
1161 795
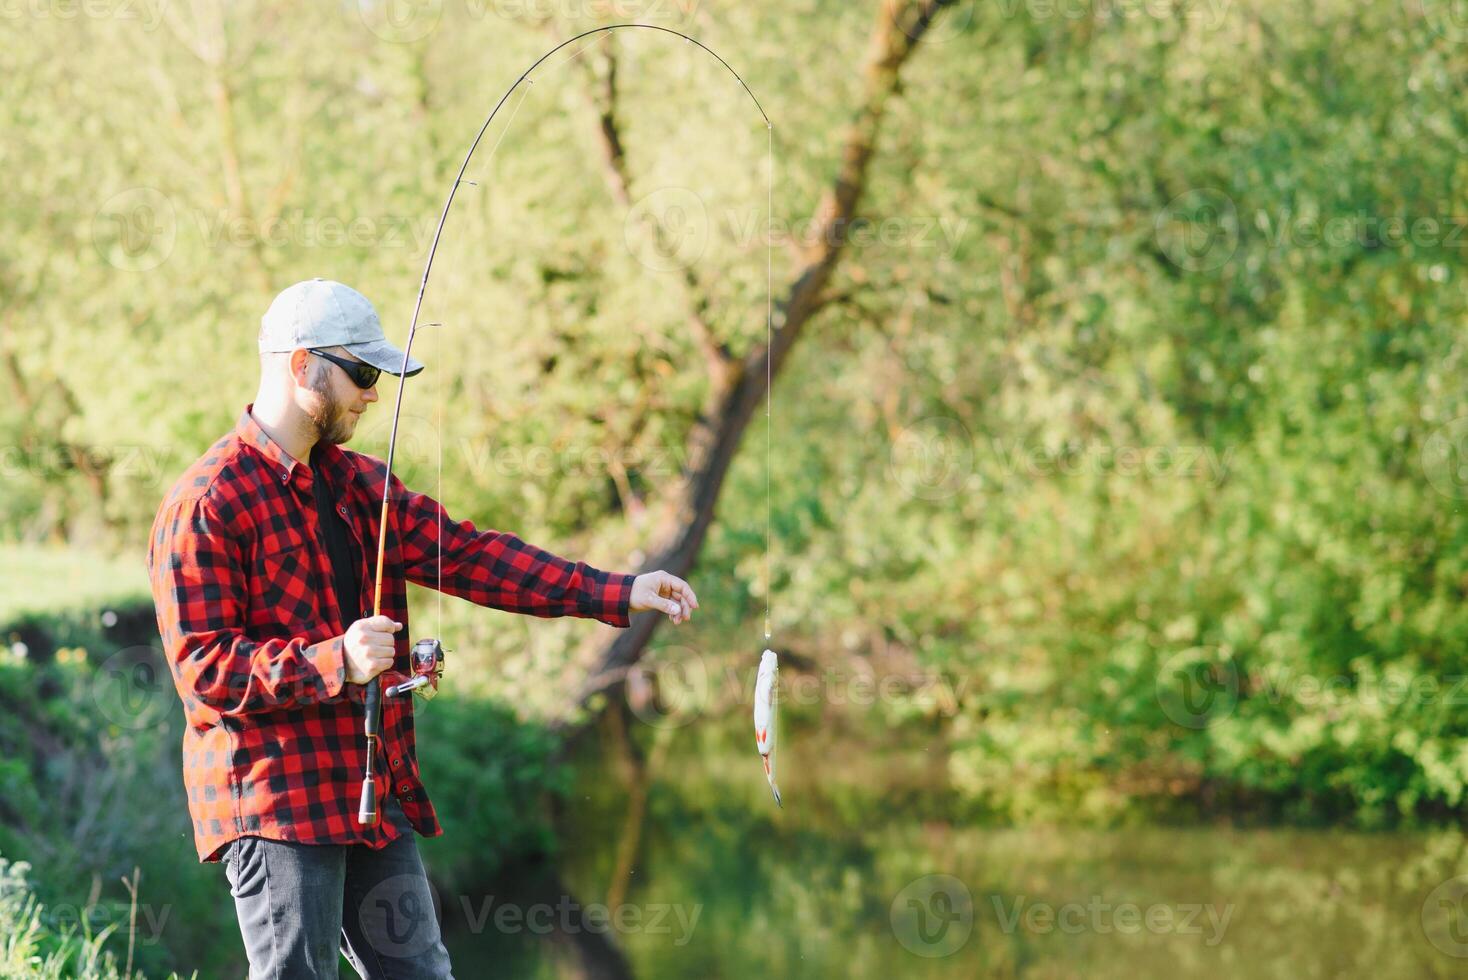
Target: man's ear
300 365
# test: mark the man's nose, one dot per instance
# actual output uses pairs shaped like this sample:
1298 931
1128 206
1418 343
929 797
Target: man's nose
369 395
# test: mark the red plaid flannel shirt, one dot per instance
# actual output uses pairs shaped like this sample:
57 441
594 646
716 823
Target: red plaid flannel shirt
248 614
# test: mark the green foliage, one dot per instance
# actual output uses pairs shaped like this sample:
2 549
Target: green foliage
31 948
492 777
1164 416
90 790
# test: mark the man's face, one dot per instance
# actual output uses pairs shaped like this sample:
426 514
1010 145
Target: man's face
338 403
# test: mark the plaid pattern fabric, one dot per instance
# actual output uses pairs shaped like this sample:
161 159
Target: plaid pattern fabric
248 615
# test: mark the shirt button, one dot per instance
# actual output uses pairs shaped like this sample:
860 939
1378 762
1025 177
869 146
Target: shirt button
285 477
396 763
408 798
342 510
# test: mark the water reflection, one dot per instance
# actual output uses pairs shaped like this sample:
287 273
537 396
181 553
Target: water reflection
847 880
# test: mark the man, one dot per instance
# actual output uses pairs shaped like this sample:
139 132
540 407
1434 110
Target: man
262 561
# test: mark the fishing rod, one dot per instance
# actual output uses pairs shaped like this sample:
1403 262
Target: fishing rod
426 659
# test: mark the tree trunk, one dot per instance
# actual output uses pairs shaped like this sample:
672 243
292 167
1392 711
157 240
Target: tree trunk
713 442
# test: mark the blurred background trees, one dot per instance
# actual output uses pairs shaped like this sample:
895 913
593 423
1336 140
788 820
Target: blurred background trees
1132 414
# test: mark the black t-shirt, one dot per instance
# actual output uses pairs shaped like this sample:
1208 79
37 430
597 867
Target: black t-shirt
340 551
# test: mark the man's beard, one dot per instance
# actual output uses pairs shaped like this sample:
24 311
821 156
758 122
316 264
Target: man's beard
330 416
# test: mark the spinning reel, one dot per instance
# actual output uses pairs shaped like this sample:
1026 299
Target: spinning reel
426 663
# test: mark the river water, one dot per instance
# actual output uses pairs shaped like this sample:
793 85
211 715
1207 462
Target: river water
850 879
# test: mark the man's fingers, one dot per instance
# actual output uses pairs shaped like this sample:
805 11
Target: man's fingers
672 585
382 624
687 601
671 595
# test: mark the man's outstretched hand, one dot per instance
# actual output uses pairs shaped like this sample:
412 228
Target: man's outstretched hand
664 593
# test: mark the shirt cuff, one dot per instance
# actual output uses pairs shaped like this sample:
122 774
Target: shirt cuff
608 596
330 660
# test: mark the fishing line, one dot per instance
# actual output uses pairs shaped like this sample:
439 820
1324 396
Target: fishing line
367 810
770 354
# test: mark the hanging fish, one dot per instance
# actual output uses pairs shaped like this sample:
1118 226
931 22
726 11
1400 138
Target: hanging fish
766 699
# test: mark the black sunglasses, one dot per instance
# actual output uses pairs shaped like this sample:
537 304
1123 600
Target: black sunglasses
363 375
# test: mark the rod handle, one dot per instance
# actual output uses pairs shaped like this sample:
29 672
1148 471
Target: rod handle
367 808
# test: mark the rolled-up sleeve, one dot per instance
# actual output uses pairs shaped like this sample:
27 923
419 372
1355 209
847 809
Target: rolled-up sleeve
499 570
199 592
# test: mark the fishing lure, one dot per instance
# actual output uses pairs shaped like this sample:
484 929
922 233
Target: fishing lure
766 700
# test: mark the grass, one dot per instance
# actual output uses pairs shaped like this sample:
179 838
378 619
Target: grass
36 579
31 950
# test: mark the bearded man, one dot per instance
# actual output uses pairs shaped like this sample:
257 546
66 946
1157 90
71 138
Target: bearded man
261 560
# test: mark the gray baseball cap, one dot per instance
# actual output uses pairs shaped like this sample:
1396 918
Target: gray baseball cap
323 313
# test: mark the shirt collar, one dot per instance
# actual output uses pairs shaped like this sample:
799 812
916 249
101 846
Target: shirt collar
332 459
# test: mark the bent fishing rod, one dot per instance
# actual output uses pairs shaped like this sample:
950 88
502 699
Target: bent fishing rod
426 658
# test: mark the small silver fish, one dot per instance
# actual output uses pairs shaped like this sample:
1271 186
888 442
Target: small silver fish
766 700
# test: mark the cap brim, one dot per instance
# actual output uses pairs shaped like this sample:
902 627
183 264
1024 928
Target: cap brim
384 356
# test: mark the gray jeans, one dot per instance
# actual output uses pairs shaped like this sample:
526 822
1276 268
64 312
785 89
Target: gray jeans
299 905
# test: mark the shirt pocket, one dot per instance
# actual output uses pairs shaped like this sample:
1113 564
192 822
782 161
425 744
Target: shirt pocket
283 593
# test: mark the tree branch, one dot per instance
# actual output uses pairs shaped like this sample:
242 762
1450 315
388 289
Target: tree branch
715 438
602 95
